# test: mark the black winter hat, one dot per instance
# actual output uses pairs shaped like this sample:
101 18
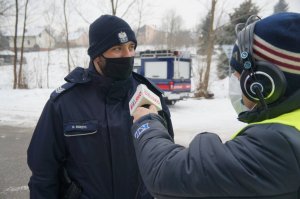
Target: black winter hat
107 31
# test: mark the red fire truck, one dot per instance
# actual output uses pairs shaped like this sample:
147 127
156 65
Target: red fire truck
169 70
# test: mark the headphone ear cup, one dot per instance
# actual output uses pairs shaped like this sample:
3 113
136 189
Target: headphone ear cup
268 78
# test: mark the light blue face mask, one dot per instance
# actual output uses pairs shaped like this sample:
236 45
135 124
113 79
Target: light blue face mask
235 94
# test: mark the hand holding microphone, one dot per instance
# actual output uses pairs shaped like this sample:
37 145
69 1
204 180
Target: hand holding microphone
141 100
141 111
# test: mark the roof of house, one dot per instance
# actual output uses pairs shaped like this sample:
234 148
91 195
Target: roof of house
6 52
30 32
76 35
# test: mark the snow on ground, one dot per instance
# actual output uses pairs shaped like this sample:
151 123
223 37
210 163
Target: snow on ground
23 107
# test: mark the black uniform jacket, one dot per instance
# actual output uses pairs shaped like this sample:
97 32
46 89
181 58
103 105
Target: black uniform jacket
85 127
263 161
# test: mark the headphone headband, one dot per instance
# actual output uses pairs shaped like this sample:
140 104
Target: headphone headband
260 81
245 41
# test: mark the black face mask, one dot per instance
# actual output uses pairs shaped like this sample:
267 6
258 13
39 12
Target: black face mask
118 68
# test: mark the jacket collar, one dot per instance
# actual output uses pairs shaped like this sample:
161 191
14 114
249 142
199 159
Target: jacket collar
115 90
288 105
290 119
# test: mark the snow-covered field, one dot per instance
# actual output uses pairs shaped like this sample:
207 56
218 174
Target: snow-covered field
23 107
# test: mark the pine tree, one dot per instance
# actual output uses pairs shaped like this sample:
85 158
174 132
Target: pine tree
281 6
222 65
202 87
203 34
226 35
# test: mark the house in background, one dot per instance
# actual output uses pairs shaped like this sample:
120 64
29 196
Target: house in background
6 57
146 34
37 38
3 42
78 38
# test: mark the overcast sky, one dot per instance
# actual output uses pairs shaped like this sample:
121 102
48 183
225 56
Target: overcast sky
194 10
191 11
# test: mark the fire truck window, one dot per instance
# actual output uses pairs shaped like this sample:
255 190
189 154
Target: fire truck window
156 70
181 70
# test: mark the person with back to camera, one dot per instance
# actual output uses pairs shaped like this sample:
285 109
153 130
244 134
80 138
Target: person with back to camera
260 161
82 146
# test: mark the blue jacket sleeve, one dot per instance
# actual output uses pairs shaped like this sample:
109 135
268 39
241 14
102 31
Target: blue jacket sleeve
45 154
248 165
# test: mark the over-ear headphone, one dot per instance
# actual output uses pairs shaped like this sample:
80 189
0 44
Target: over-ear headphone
261 81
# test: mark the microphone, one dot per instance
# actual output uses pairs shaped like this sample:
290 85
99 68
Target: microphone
143 97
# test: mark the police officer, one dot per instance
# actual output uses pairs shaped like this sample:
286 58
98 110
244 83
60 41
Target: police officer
81 146
263 159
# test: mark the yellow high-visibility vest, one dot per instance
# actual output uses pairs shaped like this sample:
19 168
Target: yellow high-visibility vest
290 119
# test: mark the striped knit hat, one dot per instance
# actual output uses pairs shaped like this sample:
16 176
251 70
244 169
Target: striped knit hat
276 40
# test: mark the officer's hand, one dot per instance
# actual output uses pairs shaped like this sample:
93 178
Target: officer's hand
141 111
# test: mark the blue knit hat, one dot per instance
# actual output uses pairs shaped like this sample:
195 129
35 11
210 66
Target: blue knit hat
107 31
276 40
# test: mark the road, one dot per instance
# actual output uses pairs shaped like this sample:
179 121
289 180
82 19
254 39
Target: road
14 173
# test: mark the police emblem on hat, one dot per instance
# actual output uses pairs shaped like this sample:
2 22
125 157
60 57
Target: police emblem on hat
123 37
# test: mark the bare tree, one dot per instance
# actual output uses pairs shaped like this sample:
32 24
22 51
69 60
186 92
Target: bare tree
7 12
15 44
202 88
21 82
67 35
82 15
140 8
171 24
130 5
5 6
49 18
115 5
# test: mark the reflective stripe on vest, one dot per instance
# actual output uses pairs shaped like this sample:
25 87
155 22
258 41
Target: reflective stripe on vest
290 119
